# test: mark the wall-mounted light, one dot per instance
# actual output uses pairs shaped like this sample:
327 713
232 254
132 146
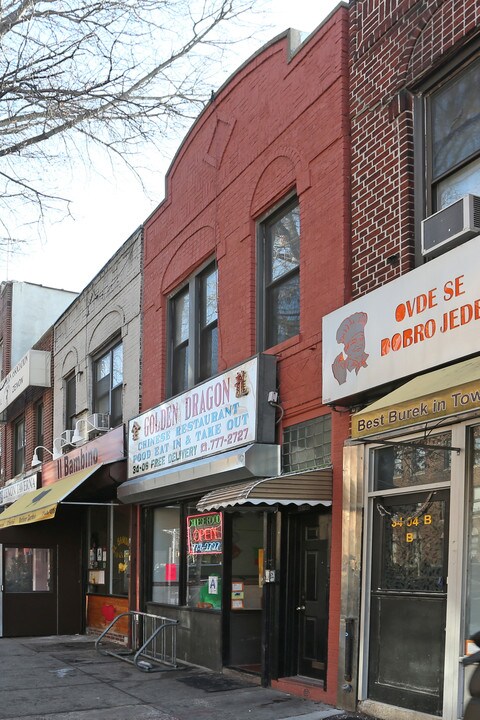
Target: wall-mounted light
35 459
97 421
58 444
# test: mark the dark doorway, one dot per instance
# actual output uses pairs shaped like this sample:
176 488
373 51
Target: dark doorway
408 600
42 579
29 591
245 591
307 606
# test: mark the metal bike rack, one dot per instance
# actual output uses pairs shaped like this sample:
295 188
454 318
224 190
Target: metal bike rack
152 642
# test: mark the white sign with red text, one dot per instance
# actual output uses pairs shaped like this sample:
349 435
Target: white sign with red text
425 318
213 417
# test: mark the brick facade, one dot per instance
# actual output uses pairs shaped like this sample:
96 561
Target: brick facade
394 47
279 125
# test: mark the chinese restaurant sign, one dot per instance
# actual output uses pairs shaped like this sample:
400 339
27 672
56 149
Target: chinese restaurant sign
217 415
204 533
425 318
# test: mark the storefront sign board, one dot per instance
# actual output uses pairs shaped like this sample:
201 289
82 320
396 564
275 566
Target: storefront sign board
453 397
10 493
427 317
217 415
105 448
32 370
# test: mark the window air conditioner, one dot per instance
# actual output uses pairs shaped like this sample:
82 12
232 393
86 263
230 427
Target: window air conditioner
451 226
99 421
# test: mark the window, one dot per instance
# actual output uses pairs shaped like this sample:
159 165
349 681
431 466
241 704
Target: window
19 446
108 384
279 276
399 465
166 555
453 119
39 429
473 555
70 402
307 445
27 569
194 331
186 559
109 550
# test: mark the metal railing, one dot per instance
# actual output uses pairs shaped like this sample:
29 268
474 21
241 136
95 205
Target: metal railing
152 641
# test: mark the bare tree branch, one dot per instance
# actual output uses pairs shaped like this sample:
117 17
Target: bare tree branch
113 72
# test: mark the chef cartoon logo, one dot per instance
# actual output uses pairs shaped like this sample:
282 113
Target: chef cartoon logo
350 334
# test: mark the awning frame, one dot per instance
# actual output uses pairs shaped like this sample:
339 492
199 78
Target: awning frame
248 495
407 443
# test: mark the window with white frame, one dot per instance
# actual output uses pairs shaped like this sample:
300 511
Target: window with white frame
279 276
108 384
193 331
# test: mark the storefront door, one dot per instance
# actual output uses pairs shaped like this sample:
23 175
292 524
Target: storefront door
29 591
245 591
408 600
312 599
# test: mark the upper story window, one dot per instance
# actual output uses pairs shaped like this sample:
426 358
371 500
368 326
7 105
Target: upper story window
108 384
70 402
453 129
19 441
39 429
279 276
194 331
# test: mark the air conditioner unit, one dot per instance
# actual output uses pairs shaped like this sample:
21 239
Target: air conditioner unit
98 421
68 437
451 226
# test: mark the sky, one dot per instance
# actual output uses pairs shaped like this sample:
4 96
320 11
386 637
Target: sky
107 207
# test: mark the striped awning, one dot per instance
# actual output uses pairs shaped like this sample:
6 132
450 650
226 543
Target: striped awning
313 487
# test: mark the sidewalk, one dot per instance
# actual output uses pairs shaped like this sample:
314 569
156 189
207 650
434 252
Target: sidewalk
66 679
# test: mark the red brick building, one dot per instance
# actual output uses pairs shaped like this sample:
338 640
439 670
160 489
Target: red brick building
248 251
411 467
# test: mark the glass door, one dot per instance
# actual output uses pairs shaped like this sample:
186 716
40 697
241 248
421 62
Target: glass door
408 600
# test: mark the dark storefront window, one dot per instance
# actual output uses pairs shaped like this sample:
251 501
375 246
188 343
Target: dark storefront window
27 569
473 572
204 559
400 465
166 555
109 550
186 557
307 445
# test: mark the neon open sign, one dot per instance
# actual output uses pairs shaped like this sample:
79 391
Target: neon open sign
204 533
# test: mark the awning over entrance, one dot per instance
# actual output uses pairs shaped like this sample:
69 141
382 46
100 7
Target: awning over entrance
42 504
449 391
248 462
302 488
